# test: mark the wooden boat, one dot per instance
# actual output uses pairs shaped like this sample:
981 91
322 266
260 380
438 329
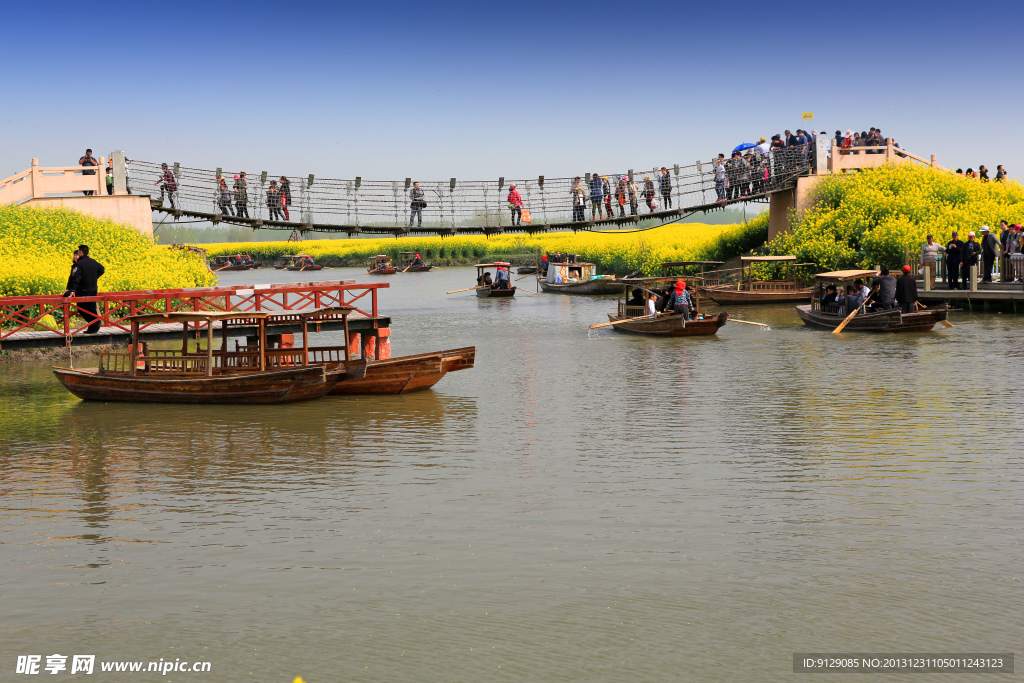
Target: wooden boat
381 265
493 291
577 278
526 270
663 325
828 316
365 376
409 263
749 290
177 376
302 262
408 373
233 262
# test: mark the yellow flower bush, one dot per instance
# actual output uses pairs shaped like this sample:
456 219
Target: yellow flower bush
872 217
36 246
613 252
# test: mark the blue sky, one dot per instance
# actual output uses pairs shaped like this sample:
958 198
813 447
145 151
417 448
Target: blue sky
481 90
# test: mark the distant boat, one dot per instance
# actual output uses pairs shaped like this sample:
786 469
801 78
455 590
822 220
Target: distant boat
750 290
664 325
577 278
381 265
409 264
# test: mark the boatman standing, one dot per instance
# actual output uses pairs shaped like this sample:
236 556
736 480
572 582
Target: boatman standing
679 300
83 282
906 291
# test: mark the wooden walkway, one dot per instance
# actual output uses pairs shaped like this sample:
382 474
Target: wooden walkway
171 332
996 294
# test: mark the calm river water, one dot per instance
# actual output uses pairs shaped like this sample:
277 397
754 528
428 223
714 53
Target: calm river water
583 505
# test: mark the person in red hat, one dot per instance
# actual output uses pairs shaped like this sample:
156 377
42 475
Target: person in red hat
679 300
906 291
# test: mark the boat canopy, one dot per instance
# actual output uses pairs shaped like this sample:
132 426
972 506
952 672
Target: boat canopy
196 316
844 275
570 272
767 259
492 265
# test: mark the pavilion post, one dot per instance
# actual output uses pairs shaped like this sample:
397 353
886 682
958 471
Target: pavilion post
209 348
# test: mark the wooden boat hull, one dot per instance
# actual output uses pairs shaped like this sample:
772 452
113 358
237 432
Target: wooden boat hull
278 386
671 326
406 373
299 268
730 295
487 293
224 269
884 321
382 271
526 270
417 269
591 287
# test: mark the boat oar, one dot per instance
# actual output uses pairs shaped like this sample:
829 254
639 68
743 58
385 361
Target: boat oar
918 304
849 317
747 322
616 322
524 277
456 291
520 289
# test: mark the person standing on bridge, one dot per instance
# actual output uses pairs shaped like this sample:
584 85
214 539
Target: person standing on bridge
224 198
649 193
929 259
83 282
416 204
607 187
596 194
968 257
634 197
720 177
666 188
88 161
621 193
989 247
286 196
274 201
579 200
515 204
241 196
168 184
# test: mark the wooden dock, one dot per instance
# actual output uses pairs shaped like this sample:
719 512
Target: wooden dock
995 295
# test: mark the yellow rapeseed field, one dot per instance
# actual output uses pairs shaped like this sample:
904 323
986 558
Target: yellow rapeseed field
873 216
36 246
618 252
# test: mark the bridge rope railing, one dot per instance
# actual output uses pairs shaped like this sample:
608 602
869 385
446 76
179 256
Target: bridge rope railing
462 205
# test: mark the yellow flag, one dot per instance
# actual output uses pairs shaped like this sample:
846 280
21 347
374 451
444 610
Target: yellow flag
807 115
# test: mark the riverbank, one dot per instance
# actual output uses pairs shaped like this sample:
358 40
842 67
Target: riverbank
614 252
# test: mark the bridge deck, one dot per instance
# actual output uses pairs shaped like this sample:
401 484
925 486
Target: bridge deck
618 222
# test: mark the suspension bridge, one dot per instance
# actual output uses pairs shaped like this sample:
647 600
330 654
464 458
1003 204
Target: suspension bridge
384 207
633 199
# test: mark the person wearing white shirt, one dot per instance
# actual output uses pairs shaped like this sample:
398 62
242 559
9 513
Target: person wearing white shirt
720 177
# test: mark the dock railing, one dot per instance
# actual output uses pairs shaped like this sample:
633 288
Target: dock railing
19 314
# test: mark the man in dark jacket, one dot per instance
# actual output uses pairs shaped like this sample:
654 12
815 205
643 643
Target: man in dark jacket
906 291
988 252
83 282
885 290
953 251
968 257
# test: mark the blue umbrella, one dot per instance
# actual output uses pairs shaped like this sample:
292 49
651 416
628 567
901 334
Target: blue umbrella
743 145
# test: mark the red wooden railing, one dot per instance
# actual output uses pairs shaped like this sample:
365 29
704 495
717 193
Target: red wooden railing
23 313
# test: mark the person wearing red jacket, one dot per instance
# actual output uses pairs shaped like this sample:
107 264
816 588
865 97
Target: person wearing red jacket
515 204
